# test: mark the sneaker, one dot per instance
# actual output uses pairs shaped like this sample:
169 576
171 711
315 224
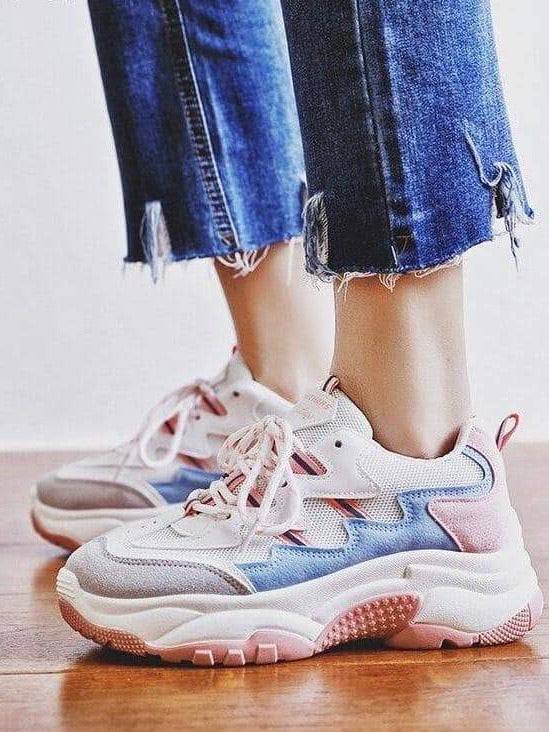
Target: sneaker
172 455
316 536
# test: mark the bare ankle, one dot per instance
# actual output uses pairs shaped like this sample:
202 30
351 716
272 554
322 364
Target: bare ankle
276 319
418 441
401 357
425 428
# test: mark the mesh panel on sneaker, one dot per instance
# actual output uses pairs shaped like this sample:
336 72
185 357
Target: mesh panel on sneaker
384 507
168 538
347 416
397 473
324 525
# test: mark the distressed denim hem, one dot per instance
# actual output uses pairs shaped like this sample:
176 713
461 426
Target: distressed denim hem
509 203
389 277
244 261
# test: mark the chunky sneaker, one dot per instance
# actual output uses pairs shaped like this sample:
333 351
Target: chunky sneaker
315 536
172 454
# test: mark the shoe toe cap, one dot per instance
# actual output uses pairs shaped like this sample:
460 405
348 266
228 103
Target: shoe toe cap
100 572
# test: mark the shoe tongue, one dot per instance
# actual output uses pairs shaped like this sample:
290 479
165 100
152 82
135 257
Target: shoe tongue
319 413
235 370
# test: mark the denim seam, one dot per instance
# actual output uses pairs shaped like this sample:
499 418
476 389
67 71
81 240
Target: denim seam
375 127
195 117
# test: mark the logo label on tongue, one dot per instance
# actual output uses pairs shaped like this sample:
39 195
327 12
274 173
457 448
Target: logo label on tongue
315 408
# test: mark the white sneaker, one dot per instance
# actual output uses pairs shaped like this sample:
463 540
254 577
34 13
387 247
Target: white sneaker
172 454
316 536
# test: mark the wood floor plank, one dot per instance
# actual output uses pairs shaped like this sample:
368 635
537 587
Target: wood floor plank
492 695
51 678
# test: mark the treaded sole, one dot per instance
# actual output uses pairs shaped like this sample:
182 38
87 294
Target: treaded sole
387 618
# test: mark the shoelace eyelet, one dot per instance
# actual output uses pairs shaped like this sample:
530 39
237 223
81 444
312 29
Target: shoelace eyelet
338 443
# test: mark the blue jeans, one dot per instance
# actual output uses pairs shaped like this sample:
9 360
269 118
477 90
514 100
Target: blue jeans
397 105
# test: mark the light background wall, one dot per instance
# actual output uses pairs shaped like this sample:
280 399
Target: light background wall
84 351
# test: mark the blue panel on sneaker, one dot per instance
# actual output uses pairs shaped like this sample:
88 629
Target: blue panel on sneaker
184 482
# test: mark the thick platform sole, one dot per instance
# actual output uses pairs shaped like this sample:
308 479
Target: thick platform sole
273 626
378 619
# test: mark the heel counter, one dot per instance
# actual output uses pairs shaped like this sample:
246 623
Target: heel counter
484 524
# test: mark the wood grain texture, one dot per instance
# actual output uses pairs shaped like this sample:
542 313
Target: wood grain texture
51 678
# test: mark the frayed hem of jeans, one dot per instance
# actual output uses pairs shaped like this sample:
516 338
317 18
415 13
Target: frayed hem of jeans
243 263
247 261
510 204
509 199
158 253
315 237
155 239
315 234
390 279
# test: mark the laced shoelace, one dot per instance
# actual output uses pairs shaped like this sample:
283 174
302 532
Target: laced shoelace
260 450
178 404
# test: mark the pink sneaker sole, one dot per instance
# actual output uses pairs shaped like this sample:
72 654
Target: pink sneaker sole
386 618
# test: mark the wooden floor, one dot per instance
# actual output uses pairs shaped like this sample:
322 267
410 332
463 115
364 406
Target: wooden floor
51 678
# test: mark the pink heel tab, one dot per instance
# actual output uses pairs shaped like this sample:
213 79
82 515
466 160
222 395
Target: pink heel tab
507 430
331 383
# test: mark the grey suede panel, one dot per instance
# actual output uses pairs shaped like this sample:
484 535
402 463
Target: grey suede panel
101 573
87 494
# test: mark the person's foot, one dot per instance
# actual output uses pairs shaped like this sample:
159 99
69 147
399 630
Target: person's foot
173 454
317 535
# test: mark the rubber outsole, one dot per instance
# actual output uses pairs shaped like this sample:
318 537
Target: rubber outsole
388 619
